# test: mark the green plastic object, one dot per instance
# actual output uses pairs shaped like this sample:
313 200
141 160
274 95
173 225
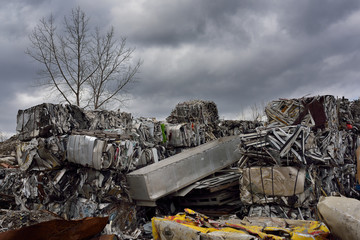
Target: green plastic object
163 132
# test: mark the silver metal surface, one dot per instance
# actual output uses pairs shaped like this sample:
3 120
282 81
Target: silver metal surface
85 150
174 173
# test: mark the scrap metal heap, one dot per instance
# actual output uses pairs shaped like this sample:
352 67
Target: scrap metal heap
205 114
303 153
194 111
77 163
73 162
200 112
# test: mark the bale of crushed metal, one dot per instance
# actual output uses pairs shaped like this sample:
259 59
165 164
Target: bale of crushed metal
236 127
355 112
48 119
8 152
69 192
102 119
317 112
301 132
327 157
259 182
341 215
198 111
44 153
349 113
13 219
184 134
344 112
101 154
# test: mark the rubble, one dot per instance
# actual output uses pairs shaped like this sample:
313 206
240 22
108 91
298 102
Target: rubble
76 164
8 157
73 162
355 112
14 219
304 141
47 119
237 127
196 111
317 112
200 112
217 190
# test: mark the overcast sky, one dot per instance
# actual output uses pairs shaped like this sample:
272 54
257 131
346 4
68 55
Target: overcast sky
235 53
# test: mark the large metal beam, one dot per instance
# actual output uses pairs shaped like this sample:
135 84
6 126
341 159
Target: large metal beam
157 180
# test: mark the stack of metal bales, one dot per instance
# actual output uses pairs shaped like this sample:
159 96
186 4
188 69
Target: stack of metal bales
73 162
300 155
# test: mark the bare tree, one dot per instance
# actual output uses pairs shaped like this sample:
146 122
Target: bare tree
86 68
113 70
255 112
258 111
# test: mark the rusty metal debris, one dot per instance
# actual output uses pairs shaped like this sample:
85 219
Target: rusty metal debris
58 229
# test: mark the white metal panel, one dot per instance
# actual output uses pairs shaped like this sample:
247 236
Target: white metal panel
174 173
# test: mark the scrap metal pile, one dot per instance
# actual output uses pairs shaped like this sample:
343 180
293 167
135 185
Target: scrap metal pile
76 163
200 112
73 162
51 133
301 154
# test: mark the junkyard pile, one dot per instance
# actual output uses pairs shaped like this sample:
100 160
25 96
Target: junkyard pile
306 151
74 163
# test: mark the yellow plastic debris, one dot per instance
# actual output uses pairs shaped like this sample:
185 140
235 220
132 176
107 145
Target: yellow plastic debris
193 225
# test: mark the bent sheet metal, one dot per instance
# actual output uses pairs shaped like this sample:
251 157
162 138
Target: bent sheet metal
58 229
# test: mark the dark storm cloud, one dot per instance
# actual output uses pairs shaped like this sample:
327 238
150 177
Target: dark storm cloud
289 56
235 53
165 23
313 17
18 72
170 23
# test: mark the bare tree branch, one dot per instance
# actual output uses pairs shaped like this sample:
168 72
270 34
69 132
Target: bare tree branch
114 72
85 67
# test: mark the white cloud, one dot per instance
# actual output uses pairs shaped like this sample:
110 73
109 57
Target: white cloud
32 97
